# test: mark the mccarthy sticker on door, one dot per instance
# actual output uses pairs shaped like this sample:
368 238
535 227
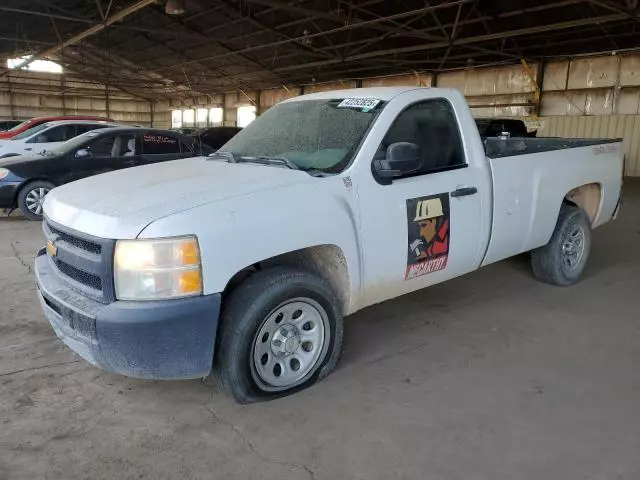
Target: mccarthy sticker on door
428 235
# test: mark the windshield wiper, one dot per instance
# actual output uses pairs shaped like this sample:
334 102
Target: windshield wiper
269 160
228 156
265 160
314 172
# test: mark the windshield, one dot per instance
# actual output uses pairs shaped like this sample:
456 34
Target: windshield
313 134
31 131
20 125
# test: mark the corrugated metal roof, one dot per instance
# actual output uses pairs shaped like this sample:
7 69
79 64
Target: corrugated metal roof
227 45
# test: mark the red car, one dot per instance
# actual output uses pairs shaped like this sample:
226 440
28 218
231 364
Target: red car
32 122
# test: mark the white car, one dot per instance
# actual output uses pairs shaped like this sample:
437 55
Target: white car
48 135
243 264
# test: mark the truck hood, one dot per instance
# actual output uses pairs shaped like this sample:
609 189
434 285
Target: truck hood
121 204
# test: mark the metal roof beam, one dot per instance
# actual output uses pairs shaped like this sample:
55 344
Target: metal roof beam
300 45
357 25
356 22
464 41
221 44
349 26
613 6
88 21
116 17
38 13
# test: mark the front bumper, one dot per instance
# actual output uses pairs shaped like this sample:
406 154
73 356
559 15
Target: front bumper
8 191
171 339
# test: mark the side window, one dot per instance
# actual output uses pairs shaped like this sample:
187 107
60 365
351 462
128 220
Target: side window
432 126
102 147
159 144
56 134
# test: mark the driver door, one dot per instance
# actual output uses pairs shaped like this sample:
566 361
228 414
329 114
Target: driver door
425 226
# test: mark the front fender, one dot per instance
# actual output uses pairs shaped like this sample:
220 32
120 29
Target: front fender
241 231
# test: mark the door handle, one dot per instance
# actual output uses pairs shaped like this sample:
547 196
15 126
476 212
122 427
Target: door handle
28 149
464 191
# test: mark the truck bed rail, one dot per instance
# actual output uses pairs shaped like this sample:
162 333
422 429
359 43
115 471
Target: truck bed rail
496 147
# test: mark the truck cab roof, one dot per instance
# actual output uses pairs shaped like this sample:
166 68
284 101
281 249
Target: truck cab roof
380 93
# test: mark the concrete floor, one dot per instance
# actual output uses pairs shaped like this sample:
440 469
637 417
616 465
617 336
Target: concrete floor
490 376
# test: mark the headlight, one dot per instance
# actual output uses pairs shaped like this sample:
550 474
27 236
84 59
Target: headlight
157 269
4 173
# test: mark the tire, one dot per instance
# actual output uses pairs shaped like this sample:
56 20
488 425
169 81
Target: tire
249 328
30 195
563 259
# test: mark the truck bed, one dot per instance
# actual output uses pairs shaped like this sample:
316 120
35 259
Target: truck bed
495 147
528 192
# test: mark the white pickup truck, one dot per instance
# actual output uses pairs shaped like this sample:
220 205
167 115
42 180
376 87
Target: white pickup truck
242 265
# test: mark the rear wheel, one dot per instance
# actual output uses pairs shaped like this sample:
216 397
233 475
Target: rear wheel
280 332
563 259
31 198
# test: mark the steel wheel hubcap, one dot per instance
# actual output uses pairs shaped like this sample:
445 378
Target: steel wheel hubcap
573 248
290 344
35 200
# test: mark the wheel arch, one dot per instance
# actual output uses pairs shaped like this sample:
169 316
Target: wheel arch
327 261
587 197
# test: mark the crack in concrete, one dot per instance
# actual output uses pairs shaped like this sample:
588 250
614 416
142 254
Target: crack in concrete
252 448
39 368
18 257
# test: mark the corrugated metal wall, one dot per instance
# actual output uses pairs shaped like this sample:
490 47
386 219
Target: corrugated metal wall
28 94
626 127
587 96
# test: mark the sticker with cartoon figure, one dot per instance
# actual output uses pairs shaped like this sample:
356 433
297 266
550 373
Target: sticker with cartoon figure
428 235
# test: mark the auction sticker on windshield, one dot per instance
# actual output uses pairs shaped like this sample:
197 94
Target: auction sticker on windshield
365 104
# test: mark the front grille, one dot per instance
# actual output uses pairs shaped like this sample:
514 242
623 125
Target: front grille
75 241
88 279
84 262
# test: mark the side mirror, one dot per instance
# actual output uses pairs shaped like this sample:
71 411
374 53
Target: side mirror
402 158
83 153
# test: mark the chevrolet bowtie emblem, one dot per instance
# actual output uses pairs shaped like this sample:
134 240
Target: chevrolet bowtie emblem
52 249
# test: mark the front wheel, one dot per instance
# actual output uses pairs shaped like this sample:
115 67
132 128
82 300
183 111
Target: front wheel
563 259
31 198
280 332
